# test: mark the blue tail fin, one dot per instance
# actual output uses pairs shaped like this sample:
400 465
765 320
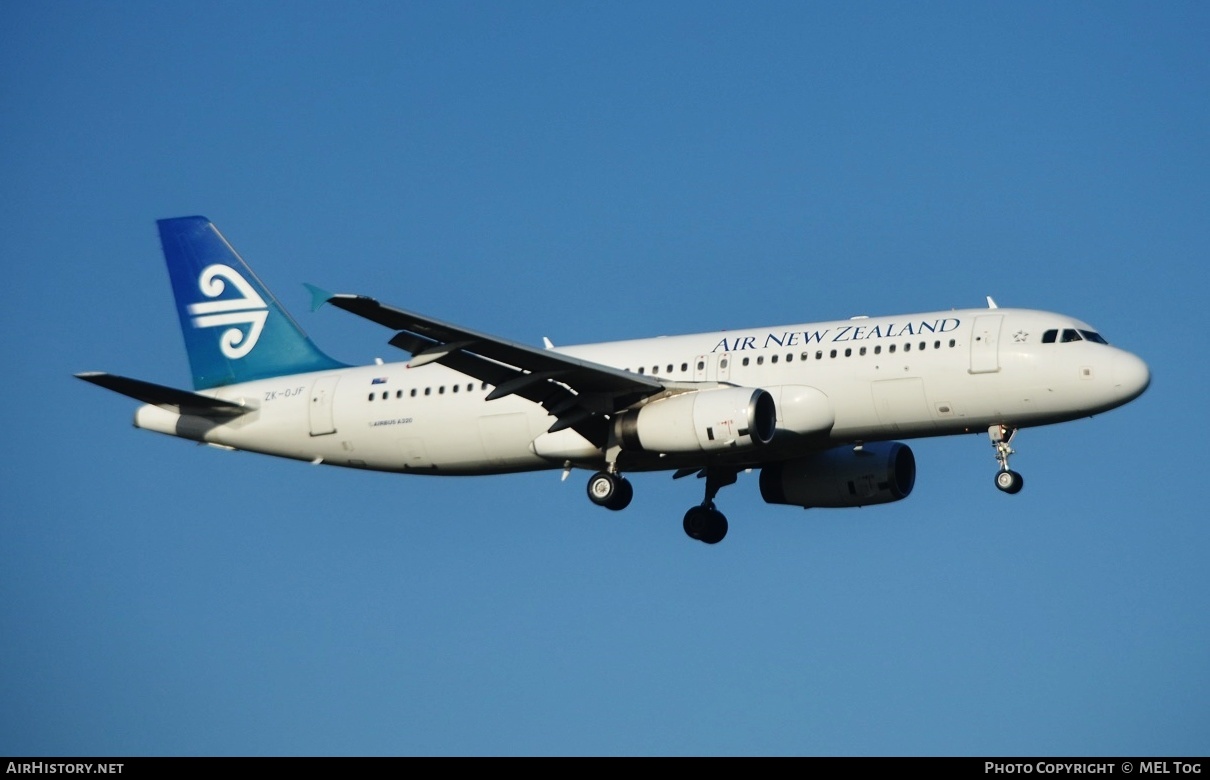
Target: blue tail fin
235 330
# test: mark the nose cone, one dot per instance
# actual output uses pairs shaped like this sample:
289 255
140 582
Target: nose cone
1130 376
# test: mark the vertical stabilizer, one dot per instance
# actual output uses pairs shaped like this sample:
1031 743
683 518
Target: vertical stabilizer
235 330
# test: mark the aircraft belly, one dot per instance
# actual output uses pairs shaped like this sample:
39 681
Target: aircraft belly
431 436
504 439
274 429
872 409
901 404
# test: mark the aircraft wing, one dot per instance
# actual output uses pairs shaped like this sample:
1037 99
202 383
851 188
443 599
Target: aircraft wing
577 392
159 395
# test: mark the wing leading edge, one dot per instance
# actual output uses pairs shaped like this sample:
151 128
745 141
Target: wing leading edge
577 392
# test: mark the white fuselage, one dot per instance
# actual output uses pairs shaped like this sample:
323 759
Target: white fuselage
930 374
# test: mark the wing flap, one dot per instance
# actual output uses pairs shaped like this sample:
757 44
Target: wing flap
556 398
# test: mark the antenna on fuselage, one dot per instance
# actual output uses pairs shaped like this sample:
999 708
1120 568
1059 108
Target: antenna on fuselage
991 304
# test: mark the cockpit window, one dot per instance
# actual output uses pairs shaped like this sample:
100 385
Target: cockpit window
1094 336
1072 334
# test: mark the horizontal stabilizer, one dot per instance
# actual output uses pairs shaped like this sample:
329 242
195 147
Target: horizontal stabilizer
159 395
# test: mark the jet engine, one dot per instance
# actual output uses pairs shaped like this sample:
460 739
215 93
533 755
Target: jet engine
876 473
700 421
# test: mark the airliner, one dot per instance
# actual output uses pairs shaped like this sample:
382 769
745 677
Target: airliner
818 408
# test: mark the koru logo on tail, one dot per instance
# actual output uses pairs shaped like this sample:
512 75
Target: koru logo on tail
249 309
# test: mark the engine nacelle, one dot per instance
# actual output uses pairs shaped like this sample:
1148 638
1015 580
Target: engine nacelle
701 421
878 473
804 410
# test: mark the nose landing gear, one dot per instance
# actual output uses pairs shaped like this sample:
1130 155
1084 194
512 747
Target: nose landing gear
1006 479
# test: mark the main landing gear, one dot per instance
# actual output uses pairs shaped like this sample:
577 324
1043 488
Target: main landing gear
610 490
1006 479
703 523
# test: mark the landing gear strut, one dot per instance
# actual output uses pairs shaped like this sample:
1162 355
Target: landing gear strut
704 522
1006 479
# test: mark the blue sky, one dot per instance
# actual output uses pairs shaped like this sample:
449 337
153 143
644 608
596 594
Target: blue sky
595 171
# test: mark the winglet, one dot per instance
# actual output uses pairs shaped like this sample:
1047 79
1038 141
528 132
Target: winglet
319 296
